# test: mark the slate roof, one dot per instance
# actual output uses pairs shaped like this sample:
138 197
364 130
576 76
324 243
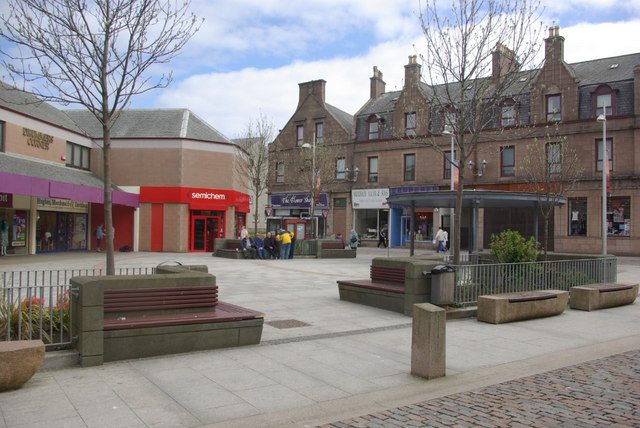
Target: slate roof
588 72
32 167
17 100
345 119
151 123
600 71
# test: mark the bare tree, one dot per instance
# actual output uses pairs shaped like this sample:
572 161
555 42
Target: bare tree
253 153
551 168
96 54
473 54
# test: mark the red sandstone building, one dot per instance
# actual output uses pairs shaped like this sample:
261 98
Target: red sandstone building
381 146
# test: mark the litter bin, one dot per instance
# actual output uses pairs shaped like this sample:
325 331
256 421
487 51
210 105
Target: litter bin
443 280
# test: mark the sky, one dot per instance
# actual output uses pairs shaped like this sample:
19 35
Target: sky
249 55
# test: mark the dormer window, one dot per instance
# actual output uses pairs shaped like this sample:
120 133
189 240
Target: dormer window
554 112
373 127
449 119
299 135
508 113
410 124
603 101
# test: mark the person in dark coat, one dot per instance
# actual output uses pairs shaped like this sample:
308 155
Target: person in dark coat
248 250
271 246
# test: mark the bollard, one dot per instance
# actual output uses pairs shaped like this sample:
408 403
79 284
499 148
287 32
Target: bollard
428 341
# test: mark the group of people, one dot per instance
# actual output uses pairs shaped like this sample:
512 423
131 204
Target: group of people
267 249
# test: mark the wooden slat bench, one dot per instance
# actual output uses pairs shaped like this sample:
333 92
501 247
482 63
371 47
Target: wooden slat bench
384 289
606 295
157 321
334 250
507 307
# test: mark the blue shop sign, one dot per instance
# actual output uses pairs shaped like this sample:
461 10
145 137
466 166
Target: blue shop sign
298 200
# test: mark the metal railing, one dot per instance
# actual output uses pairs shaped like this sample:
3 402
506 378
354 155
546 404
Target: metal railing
38 304
473 280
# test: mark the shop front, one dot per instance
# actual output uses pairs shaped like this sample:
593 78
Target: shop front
190 219
290 210
370 213
425 220
61 225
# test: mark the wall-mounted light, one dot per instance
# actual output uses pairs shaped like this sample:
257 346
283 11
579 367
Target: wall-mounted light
480 169
354 177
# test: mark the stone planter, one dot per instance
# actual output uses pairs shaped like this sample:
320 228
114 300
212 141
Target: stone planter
19 360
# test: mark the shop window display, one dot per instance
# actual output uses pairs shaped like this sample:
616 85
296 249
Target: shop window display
619 216
578 216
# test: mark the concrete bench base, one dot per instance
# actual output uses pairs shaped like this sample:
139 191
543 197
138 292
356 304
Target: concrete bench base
334 253
19 361
507 307
598 296
228 254
387 296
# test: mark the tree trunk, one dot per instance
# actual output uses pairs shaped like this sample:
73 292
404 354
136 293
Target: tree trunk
458 217
108 210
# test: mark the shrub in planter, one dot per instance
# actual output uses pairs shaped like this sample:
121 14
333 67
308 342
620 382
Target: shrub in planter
511 247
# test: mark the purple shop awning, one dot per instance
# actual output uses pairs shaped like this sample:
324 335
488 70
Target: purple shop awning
33 186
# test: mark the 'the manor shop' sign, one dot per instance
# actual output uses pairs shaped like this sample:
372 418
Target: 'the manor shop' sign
297 200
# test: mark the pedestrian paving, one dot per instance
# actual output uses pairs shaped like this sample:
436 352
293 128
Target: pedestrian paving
321 360
603 392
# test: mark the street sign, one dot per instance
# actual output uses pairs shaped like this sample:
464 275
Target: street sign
325 212
269 210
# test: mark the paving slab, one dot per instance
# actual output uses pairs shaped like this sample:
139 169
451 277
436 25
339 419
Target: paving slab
321 361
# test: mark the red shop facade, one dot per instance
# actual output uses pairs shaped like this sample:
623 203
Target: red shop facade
188 219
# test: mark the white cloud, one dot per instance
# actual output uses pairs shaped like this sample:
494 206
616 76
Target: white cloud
228 100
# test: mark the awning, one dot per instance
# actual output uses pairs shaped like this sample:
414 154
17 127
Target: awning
48 180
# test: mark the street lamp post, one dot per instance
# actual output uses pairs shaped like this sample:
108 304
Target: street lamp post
605 167
452 158
313 184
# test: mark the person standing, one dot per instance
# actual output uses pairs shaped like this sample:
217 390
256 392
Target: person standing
285 239
99 236
382 239
4 237
353 240
243 232
440 240
446 241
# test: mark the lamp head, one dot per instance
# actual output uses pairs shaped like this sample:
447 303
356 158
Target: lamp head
602 118
306 146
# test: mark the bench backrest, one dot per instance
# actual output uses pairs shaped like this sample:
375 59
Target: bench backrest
233 245
332 245
387 273
160 300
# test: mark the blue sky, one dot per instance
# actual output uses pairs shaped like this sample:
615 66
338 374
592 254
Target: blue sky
250 55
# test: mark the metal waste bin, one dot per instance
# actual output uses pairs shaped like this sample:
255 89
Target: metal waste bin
443 281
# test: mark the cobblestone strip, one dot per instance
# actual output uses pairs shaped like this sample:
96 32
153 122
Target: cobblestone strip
604 392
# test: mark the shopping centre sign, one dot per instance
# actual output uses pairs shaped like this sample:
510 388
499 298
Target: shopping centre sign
370 198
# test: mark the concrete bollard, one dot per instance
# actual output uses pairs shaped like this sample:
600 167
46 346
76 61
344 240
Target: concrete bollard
428 341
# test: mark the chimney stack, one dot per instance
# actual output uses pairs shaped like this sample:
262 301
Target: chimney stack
412 72
314 87
377 84
504 61
554 46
